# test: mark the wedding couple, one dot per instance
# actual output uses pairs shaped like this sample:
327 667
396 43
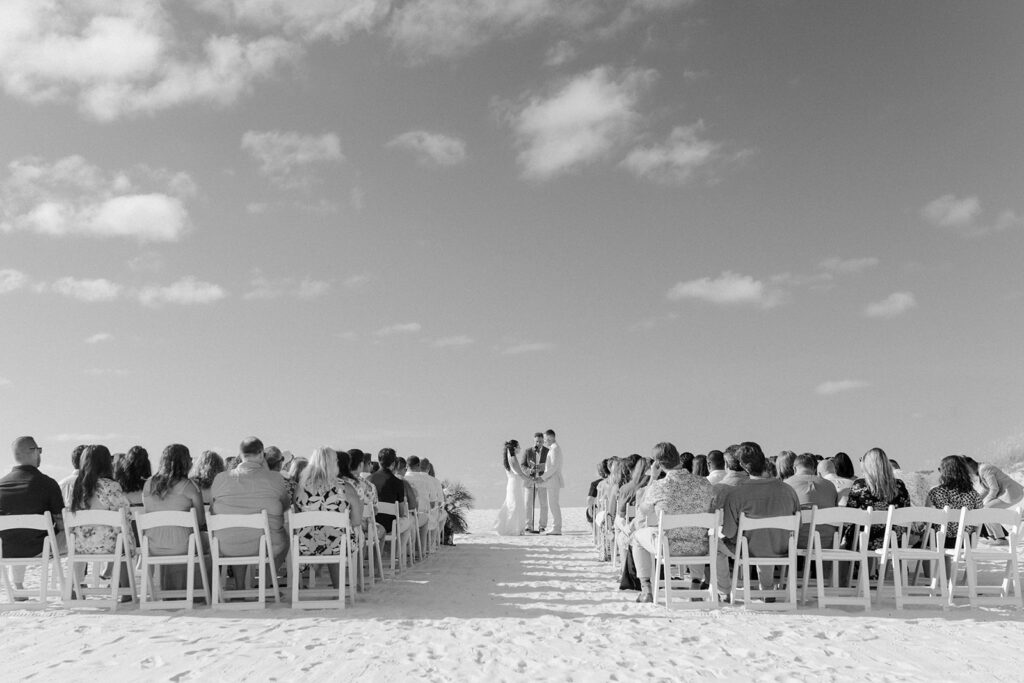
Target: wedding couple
541 468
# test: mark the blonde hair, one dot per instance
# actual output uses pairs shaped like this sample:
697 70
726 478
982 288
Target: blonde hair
879 475
322 472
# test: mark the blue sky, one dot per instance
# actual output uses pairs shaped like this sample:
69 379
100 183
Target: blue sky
439 225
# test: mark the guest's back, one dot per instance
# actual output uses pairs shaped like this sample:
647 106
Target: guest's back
248 489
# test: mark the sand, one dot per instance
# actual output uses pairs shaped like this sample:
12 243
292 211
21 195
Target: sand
512 608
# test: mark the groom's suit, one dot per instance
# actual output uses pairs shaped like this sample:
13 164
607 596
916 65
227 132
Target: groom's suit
536 457
554 483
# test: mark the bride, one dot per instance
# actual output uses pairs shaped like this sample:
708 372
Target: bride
511 519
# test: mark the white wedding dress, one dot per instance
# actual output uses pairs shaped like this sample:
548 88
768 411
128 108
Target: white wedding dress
511 519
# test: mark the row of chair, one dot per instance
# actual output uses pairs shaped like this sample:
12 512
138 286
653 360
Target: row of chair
357 564
832 545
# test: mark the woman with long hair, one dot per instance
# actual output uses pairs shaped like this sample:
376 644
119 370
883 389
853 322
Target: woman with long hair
171 489
877 489
204 471
841 474
95 489
320 488
511 520
700 466
132 471
955 489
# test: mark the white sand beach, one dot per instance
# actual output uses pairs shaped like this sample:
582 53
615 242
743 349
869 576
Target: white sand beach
512 608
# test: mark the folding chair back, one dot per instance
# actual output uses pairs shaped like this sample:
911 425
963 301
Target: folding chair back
346 563
263 560
75 594
151 596
745 560
971 553
374 558
48 560
905 551
828 532
665 561
394 537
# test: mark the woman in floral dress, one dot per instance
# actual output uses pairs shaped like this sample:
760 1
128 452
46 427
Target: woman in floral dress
878 489
320 489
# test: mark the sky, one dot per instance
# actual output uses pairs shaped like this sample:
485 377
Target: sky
438 225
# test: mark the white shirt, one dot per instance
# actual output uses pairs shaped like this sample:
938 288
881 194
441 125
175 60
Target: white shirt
428 490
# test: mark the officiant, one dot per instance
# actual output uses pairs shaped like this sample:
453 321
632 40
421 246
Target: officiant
534 461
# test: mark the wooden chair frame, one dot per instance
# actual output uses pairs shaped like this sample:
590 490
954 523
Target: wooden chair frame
48 560
263 559
744 561
77 595
664 560
345 559
151 596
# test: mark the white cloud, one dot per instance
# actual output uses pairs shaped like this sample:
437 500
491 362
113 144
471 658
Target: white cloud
961 215
728 289
833 387
146 262
580 121
400 328
431 29
185 292
458 340
560 53
12 280
88 290
838 265
306 19
356 281
122 58
262 287
279 152
678 159
4 382
891 306
431 149
99 337
73 197
526 347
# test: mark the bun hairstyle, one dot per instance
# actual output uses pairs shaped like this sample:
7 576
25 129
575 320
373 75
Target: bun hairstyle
511 446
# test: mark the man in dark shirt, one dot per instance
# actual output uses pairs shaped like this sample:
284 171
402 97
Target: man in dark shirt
27 491
390 489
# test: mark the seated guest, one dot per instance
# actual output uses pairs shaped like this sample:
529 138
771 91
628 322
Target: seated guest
678 493
842 475
956 490
757 496
390 489
274 458
367 491
734 472
132 471
700 466
602 474
27 491
812 490
784 464
95 489
716 466
231 462
427 470
68 482
877 490
171 489
249 489
428 493
998 490
412 498
321 489
204 471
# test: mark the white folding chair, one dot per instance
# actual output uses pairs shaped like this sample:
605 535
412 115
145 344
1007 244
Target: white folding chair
394 537
47 560
970 552
744 561
434 528
665 561
374 559
151 596
77 594
833 521
263 560
345 560
931 549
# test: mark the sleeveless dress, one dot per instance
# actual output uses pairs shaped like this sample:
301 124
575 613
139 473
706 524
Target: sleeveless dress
512 516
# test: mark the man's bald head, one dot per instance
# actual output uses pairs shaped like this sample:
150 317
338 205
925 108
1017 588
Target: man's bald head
26 451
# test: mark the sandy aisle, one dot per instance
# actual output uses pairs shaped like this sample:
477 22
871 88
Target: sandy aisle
522 608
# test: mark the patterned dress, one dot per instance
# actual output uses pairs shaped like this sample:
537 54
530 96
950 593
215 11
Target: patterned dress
941 496
862 498
322 540
99 538
680 493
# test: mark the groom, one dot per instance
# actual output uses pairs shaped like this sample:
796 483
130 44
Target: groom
553 481
534 461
